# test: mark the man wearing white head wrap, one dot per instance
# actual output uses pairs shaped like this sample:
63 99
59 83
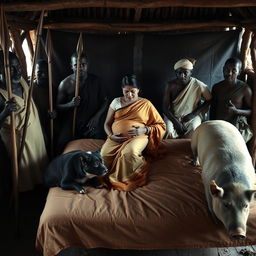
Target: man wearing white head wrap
182 107
183 63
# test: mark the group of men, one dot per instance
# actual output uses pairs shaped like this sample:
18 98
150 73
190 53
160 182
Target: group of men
91 104
185 105
187 100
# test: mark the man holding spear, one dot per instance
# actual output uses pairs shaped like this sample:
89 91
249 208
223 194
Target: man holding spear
34 157
91 104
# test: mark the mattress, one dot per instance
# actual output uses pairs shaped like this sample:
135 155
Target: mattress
169 212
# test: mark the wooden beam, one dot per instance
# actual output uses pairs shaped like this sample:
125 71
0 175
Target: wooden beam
18 22
137 27
66 4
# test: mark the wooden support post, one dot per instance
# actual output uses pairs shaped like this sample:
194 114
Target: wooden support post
28 103
5 44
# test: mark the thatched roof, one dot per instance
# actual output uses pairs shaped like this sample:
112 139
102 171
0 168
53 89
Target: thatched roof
117 16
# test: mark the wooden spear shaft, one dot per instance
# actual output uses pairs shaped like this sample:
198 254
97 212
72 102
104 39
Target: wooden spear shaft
31 86
15 175
49 59
79 50
253 121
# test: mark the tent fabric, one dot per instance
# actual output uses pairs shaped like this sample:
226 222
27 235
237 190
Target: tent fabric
150 56
169 212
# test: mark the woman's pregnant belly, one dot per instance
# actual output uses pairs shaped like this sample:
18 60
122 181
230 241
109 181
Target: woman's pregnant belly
123 126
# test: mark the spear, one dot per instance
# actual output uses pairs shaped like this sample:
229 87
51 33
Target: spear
5 44
253 121
79 50
48 50
31 85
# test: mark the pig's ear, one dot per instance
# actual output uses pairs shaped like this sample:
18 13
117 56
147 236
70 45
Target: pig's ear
250 194
215 189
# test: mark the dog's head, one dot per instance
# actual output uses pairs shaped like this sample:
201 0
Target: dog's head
92 164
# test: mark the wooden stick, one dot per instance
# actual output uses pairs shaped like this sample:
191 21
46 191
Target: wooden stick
253 121
30 46
66 4
39 33
5 43
48 50
79 50
111 27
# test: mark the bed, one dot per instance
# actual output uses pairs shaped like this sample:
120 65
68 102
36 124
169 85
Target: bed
170 212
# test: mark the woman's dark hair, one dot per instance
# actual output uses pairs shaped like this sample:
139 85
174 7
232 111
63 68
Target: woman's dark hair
130 80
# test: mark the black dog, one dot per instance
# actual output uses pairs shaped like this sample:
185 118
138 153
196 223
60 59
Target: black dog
75 169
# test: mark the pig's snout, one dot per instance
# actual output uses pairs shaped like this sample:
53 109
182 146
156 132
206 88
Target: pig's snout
238 234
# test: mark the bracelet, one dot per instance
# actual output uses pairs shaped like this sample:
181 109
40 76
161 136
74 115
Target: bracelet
109 136
148 130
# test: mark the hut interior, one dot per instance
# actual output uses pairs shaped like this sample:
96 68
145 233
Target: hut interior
121 37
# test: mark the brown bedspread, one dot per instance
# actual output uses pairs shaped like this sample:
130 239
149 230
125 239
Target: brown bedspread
169 212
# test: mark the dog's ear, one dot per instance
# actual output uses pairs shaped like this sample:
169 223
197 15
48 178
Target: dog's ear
87 156
97 152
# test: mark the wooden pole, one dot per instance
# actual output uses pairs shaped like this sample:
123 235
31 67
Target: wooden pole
48 50
39 33
245 48
79 50
67 4
253 120
15 34
114 27
5 44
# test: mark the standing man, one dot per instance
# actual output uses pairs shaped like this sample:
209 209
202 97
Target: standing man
91 104
182 107
232 99
34 157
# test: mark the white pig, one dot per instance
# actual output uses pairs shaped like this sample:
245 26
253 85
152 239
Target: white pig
227 172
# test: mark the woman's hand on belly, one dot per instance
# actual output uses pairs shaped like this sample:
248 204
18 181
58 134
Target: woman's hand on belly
137 131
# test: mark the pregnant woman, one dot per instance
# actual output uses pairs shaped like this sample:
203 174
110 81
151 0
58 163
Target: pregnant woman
135 129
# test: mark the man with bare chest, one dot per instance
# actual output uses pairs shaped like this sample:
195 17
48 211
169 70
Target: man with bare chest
182 106
34 158
232 99
91 104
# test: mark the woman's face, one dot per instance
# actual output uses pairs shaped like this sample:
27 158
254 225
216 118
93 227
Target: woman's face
130 93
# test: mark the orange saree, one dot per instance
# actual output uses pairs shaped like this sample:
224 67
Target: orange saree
125 161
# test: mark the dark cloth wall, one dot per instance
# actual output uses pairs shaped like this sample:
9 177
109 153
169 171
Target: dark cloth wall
152 57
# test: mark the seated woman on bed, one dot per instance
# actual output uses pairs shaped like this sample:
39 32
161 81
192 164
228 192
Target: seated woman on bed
132 125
